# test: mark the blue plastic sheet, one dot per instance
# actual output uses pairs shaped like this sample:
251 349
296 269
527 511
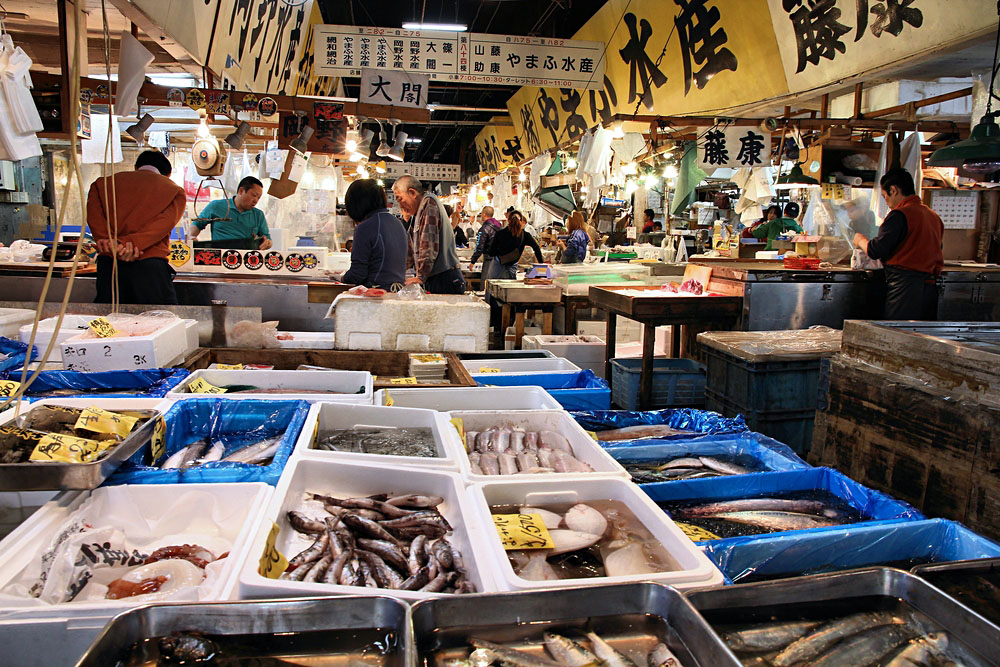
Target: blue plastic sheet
899 544
686 419
873 505
237 423
755 451
14 354
146 383
575 391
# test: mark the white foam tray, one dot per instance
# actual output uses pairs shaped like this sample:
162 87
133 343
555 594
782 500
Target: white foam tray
156 350
584 447
328 416
333 381
694 569
342 479
521 366
311 340
470 398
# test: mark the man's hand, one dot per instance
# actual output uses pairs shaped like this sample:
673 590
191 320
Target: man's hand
265 243
127 252
860 241
472 266
413 280
104 246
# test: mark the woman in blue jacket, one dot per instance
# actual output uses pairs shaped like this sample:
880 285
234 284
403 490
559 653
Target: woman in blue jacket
575 247
378 257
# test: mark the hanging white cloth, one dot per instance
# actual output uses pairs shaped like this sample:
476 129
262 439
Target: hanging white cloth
877 204
16 144
910 159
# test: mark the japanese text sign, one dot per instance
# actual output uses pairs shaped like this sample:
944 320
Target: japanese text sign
734 147
399 88
102 421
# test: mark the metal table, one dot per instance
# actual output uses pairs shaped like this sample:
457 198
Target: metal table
516 298
655 310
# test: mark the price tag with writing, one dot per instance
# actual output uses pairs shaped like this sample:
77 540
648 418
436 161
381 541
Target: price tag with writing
8 388
696 533
459 425
103 421
201 386
103 328
68 449
522 531
403 381
388 400
428 358
827 191
272 562
158 445
485 369
230 367
631 232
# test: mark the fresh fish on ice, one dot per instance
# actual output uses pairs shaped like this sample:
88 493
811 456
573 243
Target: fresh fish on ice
569 653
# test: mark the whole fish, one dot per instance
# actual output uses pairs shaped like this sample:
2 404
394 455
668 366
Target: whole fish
919 651
770 637
778 521
305 524
810 646
753 505
319 569
414 500
509 656
336 569
607 654
682 462
184 457
387 551
214 453
640 432
568 652
312 553
255 453
370 528
866 647
661 656
537 568
417 581
418 518
723 466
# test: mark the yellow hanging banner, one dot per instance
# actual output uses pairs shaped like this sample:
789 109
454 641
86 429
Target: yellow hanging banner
498 146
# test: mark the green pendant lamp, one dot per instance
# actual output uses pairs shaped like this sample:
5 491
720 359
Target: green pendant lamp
797 177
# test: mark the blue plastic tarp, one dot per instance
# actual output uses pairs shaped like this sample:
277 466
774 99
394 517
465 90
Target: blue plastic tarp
898 544
581 390
755 451
685 419
14 354
873 505
237 423
145 383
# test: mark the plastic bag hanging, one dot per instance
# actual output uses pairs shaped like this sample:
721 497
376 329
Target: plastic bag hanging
16 87
14 144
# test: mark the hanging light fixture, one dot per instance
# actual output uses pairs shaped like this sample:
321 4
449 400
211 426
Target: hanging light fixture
138 131
364 145
618 130
797 177
203 131
235 139
670 171
361 171
399 148
383 145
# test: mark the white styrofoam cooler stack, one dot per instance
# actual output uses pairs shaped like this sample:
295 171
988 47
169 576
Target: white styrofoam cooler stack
448 399
584 351
13 319
342 385
157 350
71 326
345 480
691 568
438 322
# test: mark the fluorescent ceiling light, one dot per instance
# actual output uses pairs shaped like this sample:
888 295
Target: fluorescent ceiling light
413 140
449 27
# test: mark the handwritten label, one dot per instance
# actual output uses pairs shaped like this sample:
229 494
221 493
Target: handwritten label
484 369
230 367
8 388
522 531
428 358
388 400
201 386
103 328
68 449
103 421
158 445
403 381
459 425
696 533
272 562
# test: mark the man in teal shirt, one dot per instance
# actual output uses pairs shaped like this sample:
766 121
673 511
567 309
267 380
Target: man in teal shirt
245 221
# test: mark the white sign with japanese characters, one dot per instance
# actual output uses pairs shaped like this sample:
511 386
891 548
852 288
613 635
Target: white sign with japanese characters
424 171
734 147
393 88
459 56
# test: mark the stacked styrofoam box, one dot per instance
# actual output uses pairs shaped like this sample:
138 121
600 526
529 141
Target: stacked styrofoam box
342 385
312 340
157 350
71 326
448 399
12 319
584 351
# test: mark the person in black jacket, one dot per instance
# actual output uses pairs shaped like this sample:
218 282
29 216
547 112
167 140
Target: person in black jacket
461 241
507 246
378 255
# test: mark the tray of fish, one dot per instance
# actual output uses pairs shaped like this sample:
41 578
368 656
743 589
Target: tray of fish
388 435
364 528
323 631
625 625
448 399
312 386
974 583
55 446
871 617
528 444
773 502
601 530
902 545
218 440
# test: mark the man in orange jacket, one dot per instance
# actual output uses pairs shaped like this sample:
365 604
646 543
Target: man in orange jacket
142 207
909 245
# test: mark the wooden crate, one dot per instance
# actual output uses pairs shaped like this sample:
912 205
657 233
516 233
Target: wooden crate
381 363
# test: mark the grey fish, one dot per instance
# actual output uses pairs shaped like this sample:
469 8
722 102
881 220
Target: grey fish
255 453
512 657
370 527
443 553
568 652
374 504
417 581
417 557
305 524
186 456
300 572
319 569
829 634
866 647
214 453
607 654
723 466
312 553
753 505
682 462
332 574
437 584
415 519
778 521
387 551
415 500
770 637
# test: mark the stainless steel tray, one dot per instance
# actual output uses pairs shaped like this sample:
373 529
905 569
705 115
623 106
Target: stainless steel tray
265 617
866 584
522 618
970 567
55 476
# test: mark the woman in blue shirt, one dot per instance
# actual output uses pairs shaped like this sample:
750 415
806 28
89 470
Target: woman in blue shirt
575 248
378 256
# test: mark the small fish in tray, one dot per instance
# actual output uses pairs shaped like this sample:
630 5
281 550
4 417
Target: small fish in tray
558 650
510 451
386 440
202 451
686 467
381 541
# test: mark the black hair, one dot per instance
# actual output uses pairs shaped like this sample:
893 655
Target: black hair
650 212
364 197
792 209
248 183
657 224
154 159
448 209
901 179
772 207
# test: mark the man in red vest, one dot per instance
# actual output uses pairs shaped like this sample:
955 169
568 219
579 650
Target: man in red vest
909 245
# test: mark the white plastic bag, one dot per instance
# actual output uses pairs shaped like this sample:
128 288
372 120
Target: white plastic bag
860 261
16 87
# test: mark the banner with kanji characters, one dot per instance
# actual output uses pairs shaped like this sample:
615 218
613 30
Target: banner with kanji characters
498 146
734 147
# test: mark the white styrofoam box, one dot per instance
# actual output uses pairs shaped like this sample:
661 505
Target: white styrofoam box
509 337
626 330
584 447
693 568
312 340
470 398
190 336
60 634
584 351
341 384
126 353
329 416
438 322
349 479
338 262
71 326
521 366
13 319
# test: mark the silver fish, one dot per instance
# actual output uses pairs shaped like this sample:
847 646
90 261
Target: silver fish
312 553
417 581
770 637
866 647
809 647
333 573
753 505
214 453
683 462
370 528
319 569
508 463
568 652
305 524
255 453
501 441
414 500
385 550
607 654
185 457
778 521
512 657
722 466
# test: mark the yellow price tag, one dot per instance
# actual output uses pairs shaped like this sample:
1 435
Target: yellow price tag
428 358
68 449
230 367
272 562
103 328
696 533
201 386
403 381
158 445
8 388
592 435
374 378
484 369
522 531
459 425
103 421
388 400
